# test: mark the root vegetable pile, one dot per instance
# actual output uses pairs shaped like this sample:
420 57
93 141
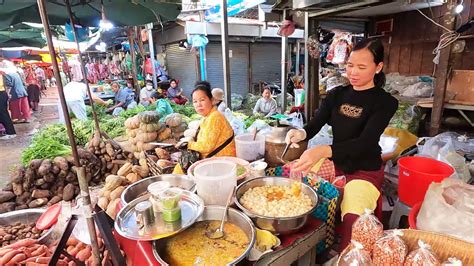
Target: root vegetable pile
46 182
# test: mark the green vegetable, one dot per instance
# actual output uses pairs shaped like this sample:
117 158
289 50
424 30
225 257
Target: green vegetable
45 148
186 109
240 170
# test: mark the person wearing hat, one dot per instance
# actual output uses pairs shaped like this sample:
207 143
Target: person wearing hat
218 99
146 93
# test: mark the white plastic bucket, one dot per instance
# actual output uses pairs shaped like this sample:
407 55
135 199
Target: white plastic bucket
214 181
249 149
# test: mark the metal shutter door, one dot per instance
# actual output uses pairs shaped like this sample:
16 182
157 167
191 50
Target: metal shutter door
266 62
182 66
238 67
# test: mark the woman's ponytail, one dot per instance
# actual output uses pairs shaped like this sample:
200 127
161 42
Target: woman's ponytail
379 80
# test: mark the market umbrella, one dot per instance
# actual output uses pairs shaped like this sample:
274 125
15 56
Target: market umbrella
88 12
16 38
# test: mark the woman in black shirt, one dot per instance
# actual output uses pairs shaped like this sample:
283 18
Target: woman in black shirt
358 114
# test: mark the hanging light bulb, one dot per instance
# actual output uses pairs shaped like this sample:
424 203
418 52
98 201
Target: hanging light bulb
459 8
104 23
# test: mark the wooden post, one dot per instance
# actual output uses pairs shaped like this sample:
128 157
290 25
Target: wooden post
442 73
311 72
131 40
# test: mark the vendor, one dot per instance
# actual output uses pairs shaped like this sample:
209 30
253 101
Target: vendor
163 107
146 92
215 136
175 94
218 99
123 100
266 105
358 114
75 93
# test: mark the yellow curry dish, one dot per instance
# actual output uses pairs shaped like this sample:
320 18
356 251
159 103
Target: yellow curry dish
193 247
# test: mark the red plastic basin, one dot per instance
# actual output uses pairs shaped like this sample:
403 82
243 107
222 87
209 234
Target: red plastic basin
413 214
415 176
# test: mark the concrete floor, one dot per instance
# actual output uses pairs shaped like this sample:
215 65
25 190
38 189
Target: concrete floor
10 150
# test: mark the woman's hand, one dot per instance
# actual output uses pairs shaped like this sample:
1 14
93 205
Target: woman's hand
294 136
310 157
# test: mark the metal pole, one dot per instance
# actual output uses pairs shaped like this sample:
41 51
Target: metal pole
152 53
70 132
284 68
297 61
307 107
83 68
225 53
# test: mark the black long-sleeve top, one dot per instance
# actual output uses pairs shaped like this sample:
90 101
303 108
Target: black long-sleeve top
358 119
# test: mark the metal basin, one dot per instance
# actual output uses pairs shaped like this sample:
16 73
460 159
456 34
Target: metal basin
278 225
139 188
213 212
26 216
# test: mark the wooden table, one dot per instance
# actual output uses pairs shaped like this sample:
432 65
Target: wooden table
302 250
454 105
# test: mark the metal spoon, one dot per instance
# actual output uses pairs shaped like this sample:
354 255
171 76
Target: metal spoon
284 153
220 231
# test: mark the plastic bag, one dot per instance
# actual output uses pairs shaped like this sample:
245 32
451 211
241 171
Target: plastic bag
297 121
423 256
237 124
443 147
452 262
418 90
388 144
236 101
262 127
390 249
407 117
324 137
367 229
356 256
448 208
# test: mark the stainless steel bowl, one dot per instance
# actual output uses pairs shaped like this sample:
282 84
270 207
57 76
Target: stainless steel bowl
278 225
213 212
138 188
26 216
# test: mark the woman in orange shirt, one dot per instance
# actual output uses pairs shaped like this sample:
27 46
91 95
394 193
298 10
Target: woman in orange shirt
215 135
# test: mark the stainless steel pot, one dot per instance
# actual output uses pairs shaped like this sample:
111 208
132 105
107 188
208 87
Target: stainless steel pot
213 212
138 188
275 144
26 216
279 225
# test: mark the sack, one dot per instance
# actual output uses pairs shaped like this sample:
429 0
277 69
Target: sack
448 208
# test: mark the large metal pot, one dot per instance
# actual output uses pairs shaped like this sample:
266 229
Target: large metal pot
213 212
275 145
279 225
26 216
138 188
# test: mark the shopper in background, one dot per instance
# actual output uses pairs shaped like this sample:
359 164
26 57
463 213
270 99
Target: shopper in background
218 99
123 100
75 93
33 91
146 93
266 105
19 105
175 94
163 107
40 76
5 119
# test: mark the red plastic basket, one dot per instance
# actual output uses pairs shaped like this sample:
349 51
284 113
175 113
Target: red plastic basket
415 176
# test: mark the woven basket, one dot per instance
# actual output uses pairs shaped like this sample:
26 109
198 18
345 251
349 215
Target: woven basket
442 245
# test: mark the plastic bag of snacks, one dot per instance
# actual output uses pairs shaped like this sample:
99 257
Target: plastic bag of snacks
390 249
367 229
452 262
356 256
422 256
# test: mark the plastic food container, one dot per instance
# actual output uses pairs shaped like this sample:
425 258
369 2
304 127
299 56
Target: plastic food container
214 181
249 149
257 169
155 189
171 215
169 199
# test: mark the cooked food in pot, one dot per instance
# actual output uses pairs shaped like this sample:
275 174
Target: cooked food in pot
193 247
277 201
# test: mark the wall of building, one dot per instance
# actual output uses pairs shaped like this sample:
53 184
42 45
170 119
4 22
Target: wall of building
414 38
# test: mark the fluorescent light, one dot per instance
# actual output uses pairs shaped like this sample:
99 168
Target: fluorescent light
104 23
459 8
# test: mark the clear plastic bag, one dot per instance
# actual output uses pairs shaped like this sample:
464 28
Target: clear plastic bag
236 123
367 229
452 262
390 249
324 137
356 256
297 121
423 256
418 90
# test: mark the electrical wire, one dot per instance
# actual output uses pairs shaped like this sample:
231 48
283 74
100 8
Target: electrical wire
445 40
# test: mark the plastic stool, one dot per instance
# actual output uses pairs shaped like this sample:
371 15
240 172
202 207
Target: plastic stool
400 209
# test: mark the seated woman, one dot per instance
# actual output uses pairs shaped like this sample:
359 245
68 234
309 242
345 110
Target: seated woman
163 107
215 136
218 99
146 92
175 94
266 105
123 100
